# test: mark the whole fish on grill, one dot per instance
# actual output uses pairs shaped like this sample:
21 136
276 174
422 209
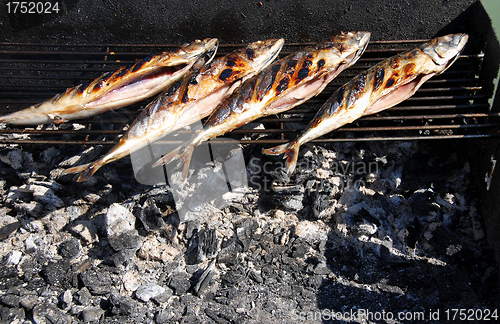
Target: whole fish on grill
382 86
283 85
189 100
126 86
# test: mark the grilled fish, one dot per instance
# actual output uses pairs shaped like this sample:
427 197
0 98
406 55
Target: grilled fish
283 85
126 86
382 86
189 100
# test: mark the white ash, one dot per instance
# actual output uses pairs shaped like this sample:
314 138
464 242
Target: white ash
352 216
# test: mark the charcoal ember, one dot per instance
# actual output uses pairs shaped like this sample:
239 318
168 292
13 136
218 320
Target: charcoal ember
122 305
126 240
179 282
99 281
83 296
163 316
151 216
205 278
149 290
246 231
255 276
28 301
12 315
10 300
164 297
15 158
60 274
445 241
70 249
228 253
289 197
8 226
203 244
91 314
299 249
192 227
415 232
419 203
215 316
42 194
46 313
122 257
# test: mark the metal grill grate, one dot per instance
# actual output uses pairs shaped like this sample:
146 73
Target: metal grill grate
453 105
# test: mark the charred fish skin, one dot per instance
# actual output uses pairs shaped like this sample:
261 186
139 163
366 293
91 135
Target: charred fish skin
188 100
123 87
383 86
283 85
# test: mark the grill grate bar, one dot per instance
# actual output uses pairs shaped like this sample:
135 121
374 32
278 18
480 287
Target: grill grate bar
31 73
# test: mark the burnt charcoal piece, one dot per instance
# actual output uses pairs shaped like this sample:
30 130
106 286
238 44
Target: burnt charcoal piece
415 230
83 296
180 283
289 197
10 300
192 227
49 313
121 257
70 249
59 274
11 315
151 216
9 277
419 204
98 281
205 278
122 305
126 240
299 249
245 232
445 241
91 314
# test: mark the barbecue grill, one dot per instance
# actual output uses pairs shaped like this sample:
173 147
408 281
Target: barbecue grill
451 106
455 107
389 213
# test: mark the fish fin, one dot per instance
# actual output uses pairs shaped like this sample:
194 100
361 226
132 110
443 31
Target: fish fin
168 158
76 169
291 151
90 170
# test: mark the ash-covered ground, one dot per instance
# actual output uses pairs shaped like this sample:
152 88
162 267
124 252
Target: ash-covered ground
367 232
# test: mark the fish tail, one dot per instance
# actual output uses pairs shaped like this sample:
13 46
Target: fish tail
168 158
186 161
76 169
291 151
90 170
87 170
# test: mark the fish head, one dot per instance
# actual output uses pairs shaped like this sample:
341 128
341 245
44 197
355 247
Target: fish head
445 50
200 51
261 53
353 45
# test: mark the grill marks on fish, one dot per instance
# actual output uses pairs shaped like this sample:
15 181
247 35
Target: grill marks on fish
382 86
123 87
189 100
283 85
